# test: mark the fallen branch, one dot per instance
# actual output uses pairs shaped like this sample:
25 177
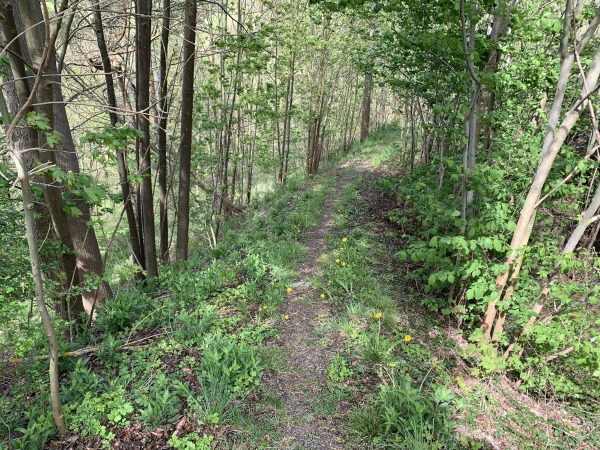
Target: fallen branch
81 352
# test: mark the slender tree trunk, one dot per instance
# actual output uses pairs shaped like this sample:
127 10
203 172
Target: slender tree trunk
142 43
290 101
39 292
367 94
366 107
123 168
162 134
185 148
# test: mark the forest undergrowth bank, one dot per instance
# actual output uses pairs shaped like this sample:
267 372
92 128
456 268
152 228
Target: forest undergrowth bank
170 365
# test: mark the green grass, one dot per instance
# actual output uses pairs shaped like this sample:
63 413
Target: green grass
202 340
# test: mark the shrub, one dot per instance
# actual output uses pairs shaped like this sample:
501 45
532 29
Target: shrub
122 311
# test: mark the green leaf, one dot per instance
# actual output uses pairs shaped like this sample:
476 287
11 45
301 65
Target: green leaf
432 278
74 211
53 138
37 121
497 245
93 194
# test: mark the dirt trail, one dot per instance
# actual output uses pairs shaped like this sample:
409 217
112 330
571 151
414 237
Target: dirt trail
309 353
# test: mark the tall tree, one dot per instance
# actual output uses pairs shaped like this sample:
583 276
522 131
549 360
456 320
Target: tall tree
89 261
123 168
185 147
41 50
162 133
142 53
367 94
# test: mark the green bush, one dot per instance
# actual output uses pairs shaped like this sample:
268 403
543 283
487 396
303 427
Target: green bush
122 311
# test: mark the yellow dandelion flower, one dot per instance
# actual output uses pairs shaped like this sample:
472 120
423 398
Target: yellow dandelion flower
378 315
322 295
407 338
337 261
265 307
344 239
343 264
289 289
392 364
341 249
286 317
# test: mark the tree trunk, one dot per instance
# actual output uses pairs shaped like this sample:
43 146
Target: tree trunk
142 44
366 107
367 94
65 156
162 135
114 121
185 148
41 51
39 292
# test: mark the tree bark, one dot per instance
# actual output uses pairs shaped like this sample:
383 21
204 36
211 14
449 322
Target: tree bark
185 148
366 107
41 51
142 44
114 121
34 257
162 135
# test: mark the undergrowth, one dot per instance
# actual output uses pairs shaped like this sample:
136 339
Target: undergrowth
179 359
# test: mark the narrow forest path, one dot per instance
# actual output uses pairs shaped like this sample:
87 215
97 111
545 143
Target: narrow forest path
308 352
